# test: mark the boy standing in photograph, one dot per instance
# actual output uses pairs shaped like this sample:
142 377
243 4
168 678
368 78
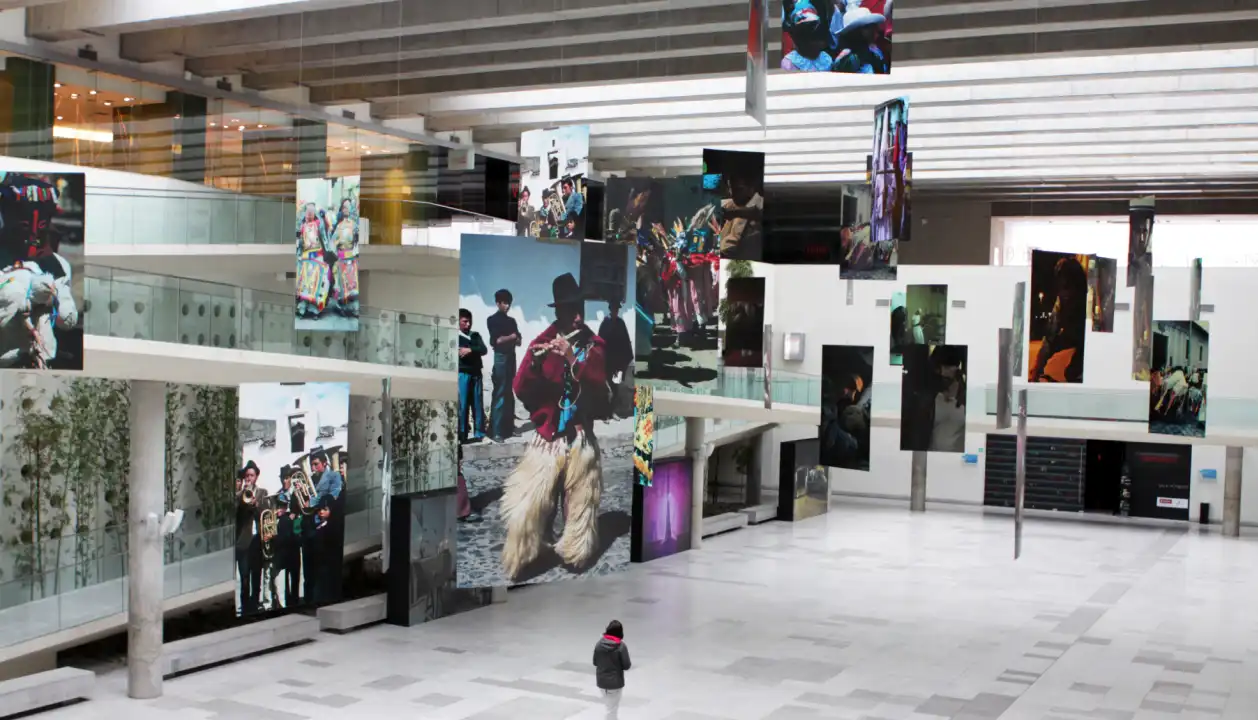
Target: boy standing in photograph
504 338
471 350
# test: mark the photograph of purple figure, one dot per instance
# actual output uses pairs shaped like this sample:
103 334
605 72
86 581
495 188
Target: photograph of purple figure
663 512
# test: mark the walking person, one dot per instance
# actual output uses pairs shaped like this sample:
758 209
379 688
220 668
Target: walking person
611 660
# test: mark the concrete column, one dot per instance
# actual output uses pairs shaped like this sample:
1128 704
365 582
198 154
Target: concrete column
498 595
146 505
1232 491
917 486
697 451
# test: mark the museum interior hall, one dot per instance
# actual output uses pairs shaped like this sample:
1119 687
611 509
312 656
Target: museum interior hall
577 359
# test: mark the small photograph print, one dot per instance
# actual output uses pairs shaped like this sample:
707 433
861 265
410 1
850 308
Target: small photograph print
744 328
328 229
1059 308
1019 326
1177 383
42 231
1102 280
926 310
737 178
666 514
846 401
933 398
900 329
1142 328
553 197
634 209
643 433
1140 216
845 36
804 239
892 169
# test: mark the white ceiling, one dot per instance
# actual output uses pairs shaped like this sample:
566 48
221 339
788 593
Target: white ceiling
1191 114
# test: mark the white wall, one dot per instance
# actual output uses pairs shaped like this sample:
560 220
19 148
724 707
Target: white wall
812 300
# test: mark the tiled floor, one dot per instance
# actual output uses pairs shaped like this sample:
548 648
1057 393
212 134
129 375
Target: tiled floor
866 613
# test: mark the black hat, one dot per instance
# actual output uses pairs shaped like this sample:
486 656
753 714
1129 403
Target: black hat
251 465
318 453
566 290
286 472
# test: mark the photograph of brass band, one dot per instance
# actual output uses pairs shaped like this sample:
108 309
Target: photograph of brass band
290 495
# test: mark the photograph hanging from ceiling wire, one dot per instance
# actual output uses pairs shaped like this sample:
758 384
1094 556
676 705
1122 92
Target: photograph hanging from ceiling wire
926 314
847 388
553 197
756 103
1177 383
677 291
737 178
891 173
847 36
899 328
328 234
1059 307
1140 216
744 325
42 231
1142 328
860 256
633 210
933 398
802 237
1019 326
1102 279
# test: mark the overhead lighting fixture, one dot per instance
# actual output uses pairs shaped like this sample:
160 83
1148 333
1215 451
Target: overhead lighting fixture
364 147
107 103
56 84
59 117
177 117
241 128
127 99
213 124
74 96
70 133
261 125
91 92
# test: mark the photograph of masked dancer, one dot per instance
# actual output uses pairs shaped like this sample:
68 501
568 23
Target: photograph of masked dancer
737 178
848 36
552 198
291 495
1059 300
328 228
42 231
634 206
847 387
553 500
1177 384
678 271
933 398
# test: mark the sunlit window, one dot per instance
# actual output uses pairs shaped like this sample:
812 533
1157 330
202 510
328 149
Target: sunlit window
1220 241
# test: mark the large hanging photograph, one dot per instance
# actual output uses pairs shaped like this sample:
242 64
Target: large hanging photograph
328 229
423 542
803 235
847 388
678 271
665 511
1059 308
933 398
1142 328
633 210
737 179
1140 215
756 103
1177 383
926 313
860 256
847 36
553 197
290 495
1102 281
554 498
804 482
901 331
42 231
643 433
744 327
891 173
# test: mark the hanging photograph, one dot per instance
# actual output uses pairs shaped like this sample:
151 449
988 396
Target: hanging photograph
1059 308
1102 279
643 433
933 397
847 36
901 331
804 483
1194 291
1177 383
847 388
43 226
553 197
926 310
1140 214
860 256
327 254
737 178
758 61
291 495
1142 328
678 293
634 207
423 542
553 499
663 512
812 226
891 174
744 326
1019 326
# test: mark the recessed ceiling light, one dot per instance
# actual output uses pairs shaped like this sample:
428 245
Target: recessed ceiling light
107 103
91 92
74 96
261 125
241 128
177 117
56 84
234 121
59 117
127 99
364 147
213 124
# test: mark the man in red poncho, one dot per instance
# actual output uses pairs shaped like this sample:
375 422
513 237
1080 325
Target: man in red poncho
562 383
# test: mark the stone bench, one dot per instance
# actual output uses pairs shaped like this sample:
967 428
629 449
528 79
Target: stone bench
760 513
352 614
45 690
725 522
235 643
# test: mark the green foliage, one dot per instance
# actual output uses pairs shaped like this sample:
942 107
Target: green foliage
39 497
214 427
737 269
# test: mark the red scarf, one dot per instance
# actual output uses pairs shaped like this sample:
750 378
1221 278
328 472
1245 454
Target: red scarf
613 638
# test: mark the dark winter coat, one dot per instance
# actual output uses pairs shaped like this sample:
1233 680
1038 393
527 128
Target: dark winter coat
611 660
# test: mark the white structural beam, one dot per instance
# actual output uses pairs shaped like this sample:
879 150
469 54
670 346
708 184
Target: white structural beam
66 19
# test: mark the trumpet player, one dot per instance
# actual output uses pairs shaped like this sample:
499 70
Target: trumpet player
562 382
287 555
248 541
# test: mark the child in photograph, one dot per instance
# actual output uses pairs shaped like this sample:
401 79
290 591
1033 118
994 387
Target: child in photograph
860 40
803 24
471 388
611 660
504 338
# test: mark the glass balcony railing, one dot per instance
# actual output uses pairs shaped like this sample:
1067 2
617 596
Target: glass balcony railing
191 312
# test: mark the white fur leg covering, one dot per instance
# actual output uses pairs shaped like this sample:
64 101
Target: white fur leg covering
583 490
528 502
